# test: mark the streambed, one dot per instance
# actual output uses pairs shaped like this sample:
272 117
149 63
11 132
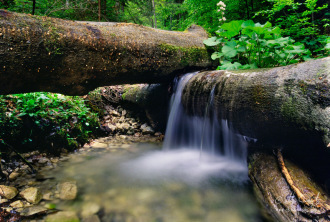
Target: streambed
141 182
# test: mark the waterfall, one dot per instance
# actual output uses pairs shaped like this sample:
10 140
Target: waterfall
195 148
207 133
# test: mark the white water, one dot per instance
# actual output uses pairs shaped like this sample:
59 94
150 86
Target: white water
195 148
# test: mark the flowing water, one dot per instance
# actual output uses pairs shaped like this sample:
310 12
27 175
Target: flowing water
200 174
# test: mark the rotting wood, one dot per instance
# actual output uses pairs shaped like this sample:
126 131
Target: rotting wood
49 54
301 197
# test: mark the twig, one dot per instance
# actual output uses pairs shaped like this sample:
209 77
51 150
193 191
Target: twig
20 156
295 189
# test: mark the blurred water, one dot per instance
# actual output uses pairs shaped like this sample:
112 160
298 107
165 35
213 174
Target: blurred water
155 185
200 174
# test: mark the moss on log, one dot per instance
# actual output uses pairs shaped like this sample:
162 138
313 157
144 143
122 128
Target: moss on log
55 55
275 106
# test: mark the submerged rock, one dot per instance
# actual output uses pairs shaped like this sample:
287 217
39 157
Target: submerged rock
8 192
63 216
67 190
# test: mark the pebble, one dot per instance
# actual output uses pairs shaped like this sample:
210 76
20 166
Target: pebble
32 195
17 204
8 192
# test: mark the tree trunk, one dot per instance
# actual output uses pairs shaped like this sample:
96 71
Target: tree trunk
55 55
285 105
154 13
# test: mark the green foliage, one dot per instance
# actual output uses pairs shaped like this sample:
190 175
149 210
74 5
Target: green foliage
245 44
42 120
304 21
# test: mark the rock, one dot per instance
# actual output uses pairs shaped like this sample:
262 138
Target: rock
43 160
2 200
146 129
8 192
123 137
67 190
99 145
63 216
119 126
123 113
17 204
93 218
32 195
125 126
112 127
114 113
49 195
14 175
89 209
29 211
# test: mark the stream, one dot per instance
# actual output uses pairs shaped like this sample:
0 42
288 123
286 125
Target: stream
199 173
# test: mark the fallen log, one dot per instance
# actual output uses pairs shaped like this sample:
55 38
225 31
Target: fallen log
284 105
47 54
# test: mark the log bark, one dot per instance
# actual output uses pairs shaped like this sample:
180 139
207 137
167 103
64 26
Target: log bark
285 105
55 55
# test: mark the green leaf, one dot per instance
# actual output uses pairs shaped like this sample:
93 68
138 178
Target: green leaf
248 23
327 46
230 66
213 41
231 29
229 51
216 55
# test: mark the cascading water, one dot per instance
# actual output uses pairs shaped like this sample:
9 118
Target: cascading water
195 148
204 133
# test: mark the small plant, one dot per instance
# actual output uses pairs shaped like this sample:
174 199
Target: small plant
245 44
45 120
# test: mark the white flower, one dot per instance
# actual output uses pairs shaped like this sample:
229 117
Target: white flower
222 8
219 10
220 3
224 19
220 20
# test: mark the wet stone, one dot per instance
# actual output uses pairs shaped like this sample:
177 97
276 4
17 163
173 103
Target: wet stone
32 195
67 190
63 216
29 211
8 192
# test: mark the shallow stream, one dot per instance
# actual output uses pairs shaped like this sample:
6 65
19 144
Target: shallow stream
141 182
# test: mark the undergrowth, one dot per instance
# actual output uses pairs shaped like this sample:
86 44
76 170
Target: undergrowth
45 121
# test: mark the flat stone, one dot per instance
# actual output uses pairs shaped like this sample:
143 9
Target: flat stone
29 211
32 195
14 175
89 209
49 195
92 218
63 216
67 190
8 192
17 204
99 145
146 129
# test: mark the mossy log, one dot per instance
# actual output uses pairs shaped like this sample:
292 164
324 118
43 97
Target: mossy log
285 105
275 193
55 55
